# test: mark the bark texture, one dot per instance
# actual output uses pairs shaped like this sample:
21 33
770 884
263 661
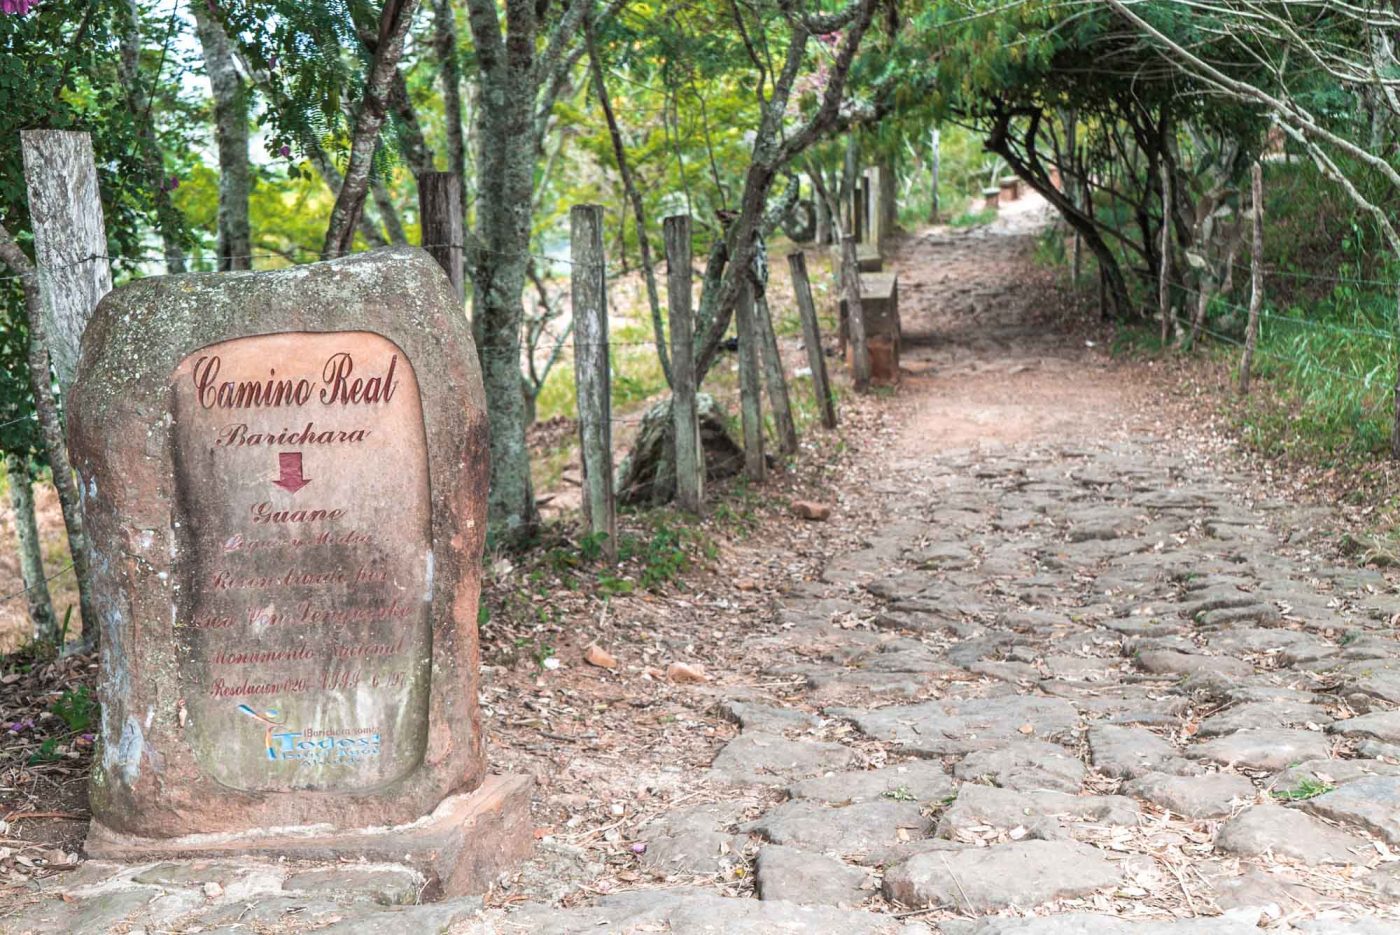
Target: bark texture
231 103
51 428
394 22
138 102
517 85
43 624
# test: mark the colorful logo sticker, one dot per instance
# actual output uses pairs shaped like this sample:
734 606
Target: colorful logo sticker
341 748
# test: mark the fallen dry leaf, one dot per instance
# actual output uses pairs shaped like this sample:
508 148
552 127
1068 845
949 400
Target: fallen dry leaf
595 655
685 672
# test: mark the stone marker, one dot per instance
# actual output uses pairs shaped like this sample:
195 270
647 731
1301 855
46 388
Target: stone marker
284 475
879 302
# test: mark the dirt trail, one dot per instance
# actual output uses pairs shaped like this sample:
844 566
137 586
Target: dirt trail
1047 670
990 358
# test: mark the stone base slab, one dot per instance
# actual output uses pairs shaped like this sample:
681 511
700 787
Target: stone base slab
467 841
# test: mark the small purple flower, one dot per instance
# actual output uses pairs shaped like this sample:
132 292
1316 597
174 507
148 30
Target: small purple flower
639 848
171 183
284 151
88 737
19 727
16 7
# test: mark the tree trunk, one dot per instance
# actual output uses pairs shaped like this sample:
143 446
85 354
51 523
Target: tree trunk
624 170
231 100
31 556
1164 280
1027 170
138 102
445 45
886 199
394 23
935 163
1256 284
51 429
392 225
505 155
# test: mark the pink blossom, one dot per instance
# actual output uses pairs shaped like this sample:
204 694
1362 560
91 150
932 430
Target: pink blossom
18 7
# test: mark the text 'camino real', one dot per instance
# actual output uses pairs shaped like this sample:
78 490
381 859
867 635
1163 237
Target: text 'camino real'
338 386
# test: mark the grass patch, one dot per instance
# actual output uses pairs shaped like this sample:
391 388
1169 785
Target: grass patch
1306 789
973 218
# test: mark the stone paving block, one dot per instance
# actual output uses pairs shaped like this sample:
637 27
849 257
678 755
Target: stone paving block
695 912
953 727
1207 796
760 758
849 829
1263 749
1129 752
1372 804
807 879
1022 875
1292 834
1042 814
1027 765
917 780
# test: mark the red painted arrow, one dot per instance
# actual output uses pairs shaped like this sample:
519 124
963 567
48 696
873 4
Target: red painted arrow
290 464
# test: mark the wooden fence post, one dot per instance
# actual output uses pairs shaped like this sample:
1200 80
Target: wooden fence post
855 317
592 377
860 210
70 239
773 377
690 458
934 165
440 217
1256 279
812 337
750 394
875 208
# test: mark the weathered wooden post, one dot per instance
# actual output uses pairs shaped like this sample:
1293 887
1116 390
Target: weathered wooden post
1164 272
440 216
875 205
773 377
812 337
592 377
70 238
690 459
862 209
70 251
1256 277
855 317
935 164
750 395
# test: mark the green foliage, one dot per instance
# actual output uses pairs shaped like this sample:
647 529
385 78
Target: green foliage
974 218
47 752
1306 789
1327 339
77 708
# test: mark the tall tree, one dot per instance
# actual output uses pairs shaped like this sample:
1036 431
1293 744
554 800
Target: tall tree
394 21
231 112
520 73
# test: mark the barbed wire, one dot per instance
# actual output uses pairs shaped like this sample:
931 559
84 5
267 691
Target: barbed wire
26 589
273 255
29 418
1335 278
1295 361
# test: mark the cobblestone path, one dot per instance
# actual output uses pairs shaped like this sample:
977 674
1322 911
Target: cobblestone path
1077 681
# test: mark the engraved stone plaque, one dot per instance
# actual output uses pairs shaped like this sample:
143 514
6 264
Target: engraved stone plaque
303 626
284 483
